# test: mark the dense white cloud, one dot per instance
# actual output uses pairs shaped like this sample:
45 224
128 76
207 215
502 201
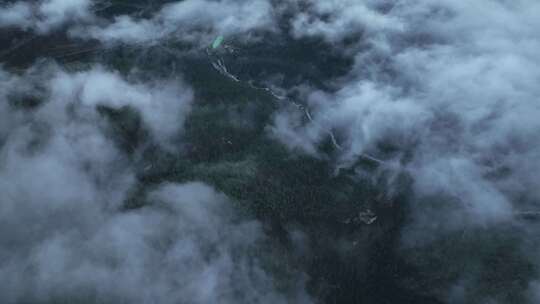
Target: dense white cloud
18 14
225 16
162 105
188 247
63 236
196 21
125 29
336 19
360 113
45 16
454 91
54 13
464 99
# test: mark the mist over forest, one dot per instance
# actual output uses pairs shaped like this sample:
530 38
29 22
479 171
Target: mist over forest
270 151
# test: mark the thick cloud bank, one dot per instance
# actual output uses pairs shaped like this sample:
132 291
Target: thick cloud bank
64 183
457 87
447 89
45 16
187 21
195 21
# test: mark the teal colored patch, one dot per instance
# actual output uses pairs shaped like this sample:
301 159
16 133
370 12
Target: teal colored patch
217 42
